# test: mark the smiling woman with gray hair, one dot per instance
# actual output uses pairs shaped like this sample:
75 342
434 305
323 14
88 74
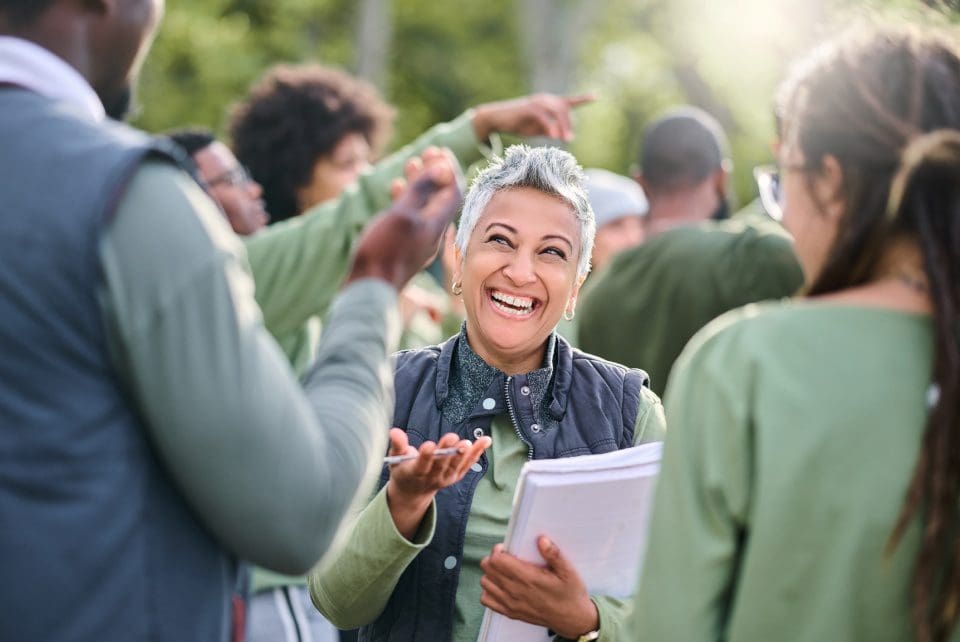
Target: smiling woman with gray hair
424 556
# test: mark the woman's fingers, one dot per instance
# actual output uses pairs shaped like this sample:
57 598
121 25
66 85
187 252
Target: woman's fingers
473 453
399 444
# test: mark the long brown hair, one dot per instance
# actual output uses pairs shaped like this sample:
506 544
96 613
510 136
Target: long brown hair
886 105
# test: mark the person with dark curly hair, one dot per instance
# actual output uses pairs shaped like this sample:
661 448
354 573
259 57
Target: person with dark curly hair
306 132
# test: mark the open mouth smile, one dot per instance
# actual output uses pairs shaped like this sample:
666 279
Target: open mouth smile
513 305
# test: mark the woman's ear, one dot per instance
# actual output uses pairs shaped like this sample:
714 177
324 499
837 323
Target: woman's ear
572 301
828 187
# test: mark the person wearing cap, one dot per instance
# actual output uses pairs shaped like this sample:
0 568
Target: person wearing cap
651 299
619 206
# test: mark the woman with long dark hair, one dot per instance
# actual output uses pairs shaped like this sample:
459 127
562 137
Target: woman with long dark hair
811 478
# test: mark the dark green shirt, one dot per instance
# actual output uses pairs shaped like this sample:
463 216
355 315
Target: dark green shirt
645 306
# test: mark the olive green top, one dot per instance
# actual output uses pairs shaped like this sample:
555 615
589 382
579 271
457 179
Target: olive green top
794 433
650 300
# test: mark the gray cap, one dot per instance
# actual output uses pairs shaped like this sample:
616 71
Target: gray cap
613 196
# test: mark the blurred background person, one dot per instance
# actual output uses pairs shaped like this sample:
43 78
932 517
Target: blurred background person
225 179
653 298
810 482
306 132
619 206
684 169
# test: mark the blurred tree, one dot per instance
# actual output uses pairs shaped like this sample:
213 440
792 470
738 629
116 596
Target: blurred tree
434 59
374 30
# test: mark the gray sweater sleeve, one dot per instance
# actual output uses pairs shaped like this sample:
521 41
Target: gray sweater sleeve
268 467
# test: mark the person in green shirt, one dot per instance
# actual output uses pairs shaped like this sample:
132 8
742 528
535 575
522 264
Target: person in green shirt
424 557
693 264
810 483
653 298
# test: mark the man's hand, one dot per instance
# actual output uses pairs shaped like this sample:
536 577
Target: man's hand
538 115
400 241
553 596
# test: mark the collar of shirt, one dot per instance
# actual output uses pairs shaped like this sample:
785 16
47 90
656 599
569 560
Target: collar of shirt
471 376
27 65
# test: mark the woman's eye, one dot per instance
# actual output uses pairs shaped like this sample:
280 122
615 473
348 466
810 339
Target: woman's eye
555 251
502 240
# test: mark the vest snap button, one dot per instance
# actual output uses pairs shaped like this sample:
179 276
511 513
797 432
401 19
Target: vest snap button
450 563
476 467
477 433
489 404
535 427
525 390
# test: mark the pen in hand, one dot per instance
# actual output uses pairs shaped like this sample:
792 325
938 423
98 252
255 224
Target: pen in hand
439 452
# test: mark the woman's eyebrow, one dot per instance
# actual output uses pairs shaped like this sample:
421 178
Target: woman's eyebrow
559 237
504 225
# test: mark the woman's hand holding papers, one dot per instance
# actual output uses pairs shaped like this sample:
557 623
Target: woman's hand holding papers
413 484
553 596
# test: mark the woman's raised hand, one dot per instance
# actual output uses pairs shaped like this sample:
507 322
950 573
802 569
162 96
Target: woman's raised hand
553 595
413 484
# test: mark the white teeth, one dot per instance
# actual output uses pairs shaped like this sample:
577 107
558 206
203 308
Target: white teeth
509 310
525 303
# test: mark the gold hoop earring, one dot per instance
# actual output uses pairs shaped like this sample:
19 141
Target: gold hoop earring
457 288
569 314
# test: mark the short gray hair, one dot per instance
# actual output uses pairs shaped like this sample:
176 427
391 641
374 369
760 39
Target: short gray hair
547 169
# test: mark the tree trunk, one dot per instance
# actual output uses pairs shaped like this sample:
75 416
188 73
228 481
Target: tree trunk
374 35
553 31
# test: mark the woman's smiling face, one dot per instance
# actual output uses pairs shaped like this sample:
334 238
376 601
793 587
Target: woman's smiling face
519 274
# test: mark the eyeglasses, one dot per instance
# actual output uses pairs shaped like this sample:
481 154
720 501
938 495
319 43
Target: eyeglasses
771 193
237 176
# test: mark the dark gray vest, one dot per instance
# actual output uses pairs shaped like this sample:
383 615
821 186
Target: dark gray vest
95 542
591 408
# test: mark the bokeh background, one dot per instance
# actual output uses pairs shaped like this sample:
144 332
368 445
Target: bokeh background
434 58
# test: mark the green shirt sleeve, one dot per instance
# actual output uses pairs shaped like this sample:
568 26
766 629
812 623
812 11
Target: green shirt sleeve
238 436
651 426
354 587
298 264
703 494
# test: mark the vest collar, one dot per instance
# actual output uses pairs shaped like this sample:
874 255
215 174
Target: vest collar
461 373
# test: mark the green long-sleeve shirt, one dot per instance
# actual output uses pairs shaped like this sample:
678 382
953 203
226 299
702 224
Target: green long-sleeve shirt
269 468
298 264
794 432
355 586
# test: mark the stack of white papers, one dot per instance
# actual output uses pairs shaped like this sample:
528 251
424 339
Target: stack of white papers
596 508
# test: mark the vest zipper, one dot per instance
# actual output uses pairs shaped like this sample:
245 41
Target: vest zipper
513 418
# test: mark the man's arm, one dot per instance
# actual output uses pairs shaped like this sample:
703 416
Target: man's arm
298 264
270 471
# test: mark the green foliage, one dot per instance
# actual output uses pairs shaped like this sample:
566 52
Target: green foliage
639 56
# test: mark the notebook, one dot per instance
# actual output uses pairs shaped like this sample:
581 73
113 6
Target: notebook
596 508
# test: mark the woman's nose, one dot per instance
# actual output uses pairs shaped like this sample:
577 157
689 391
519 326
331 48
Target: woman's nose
520 269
